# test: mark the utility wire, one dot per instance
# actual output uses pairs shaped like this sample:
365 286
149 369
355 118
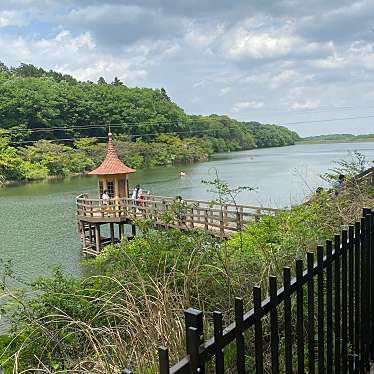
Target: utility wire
105 137
171 123
326 120
158 124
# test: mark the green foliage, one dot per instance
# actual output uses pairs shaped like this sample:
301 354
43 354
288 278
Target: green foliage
271 135
32 98
349 168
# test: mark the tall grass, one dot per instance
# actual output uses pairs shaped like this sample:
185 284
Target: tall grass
132 297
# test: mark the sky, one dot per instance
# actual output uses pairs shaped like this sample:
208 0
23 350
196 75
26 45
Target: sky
305 64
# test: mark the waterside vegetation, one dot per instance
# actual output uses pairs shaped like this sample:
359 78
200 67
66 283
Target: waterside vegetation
132 297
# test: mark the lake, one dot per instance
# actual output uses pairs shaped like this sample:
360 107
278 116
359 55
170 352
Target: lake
37 220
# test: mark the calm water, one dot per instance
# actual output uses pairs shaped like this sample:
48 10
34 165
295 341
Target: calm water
37 223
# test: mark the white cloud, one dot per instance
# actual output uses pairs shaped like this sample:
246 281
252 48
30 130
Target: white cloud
199 36
75 55
260 45
12 18
247 105
307 104
224 91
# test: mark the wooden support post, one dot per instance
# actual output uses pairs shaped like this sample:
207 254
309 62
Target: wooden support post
90 233
112 232
122 231
133 230
83 234
97 238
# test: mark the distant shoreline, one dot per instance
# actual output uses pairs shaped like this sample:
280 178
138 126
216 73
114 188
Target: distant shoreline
327 141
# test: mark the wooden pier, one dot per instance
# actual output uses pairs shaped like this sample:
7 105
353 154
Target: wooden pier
116 210
220 220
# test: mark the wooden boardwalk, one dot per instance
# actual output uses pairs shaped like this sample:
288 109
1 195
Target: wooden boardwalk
220 220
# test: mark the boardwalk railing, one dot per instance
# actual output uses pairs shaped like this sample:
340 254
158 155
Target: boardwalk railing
365 176
320 321
220 219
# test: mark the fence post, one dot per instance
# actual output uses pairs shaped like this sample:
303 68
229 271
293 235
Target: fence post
287 320
218 332
371 233
364 352
337 300
240 349
221 225
357 290
163 359
310 307
194 328
300 316
258 330
206 222
344 305
274 339
321 312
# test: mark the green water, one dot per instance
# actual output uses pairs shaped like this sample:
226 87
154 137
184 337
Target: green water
37 222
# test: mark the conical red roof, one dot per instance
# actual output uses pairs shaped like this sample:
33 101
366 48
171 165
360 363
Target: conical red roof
112 164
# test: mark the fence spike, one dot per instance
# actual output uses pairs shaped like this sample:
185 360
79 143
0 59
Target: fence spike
194 319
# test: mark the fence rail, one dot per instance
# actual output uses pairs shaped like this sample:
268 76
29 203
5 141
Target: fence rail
331 331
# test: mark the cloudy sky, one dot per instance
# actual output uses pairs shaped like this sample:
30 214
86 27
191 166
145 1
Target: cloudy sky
307 64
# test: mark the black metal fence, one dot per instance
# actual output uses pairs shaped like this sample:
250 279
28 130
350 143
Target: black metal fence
321 321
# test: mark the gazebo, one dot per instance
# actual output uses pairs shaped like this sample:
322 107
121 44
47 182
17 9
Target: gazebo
94 213
112 174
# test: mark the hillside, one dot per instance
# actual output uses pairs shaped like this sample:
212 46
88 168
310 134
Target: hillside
38 105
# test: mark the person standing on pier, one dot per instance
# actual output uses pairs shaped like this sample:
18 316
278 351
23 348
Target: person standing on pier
136 193
106 201
105 197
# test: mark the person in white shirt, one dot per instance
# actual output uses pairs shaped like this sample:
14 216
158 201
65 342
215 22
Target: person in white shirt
105 197
136 193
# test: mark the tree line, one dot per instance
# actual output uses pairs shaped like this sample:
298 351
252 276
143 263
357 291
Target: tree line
38 105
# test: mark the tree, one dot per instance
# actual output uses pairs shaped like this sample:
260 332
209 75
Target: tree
117 82
164 94
101 80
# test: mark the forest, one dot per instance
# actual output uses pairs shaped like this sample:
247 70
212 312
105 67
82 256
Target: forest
54 125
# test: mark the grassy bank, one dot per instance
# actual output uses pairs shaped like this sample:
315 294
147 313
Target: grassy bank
132 296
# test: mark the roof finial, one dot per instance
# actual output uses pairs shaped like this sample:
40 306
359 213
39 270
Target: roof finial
110 132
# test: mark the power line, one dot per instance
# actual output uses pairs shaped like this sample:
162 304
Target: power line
105 137
326 120
89 127
159 124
